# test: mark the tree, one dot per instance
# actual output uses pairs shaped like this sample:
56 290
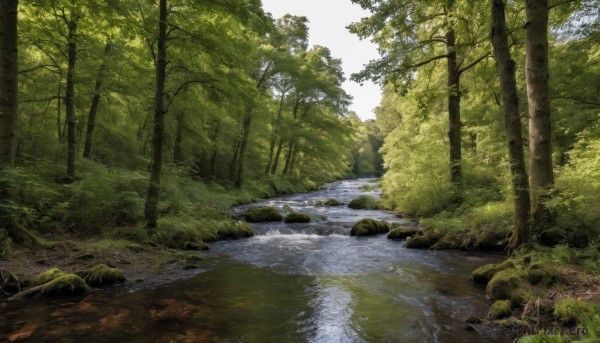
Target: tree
541 171
512 121
8 82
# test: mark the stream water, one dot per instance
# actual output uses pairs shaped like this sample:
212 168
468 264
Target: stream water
290 283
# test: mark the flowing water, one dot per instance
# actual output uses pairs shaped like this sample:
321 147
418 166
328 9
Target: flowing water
290 283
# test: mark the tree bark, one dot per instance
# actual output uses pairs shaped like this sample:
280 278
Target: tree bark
510 102
177 146
70 95
151 206
215 150
454 134
541 172
91 122
288 159
277 155
243 147
8 81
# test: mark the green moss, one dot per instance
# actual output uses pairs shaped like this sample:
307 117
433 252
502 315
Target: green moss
571 310
401 233
295 217
67 284
542 272
263 214
195 246
6 243
492 240
48 276
500 309
369 227
102 275
504 283
519 296
332 202
450 240
425 241
230 229
485 273
364 202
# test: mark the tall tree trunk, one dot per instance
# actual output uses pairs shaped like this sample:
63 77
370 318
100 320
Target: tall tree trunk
243 147
177 147
151 207
541 172
512 121
234 159
277 155
275 133
8 81
70 95
91 122
288 159
59 110
454 134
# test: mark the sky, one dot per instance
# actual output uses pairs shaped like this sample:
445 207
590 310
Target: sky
328 21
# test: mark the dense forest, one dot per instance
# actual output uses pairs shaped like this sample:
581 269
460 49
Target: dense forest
145 121
127 112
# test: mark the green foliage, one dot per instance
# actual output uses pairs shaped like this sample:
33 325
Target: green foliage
6 244
570 310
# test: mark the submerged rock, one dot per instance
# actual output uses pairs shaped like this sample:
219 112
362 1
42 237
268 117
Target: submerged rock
295 217
263 214
67 284
103 275
332 202
369 227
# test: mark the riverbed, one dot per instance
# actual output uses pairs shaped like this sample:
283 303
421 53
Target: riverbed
289 283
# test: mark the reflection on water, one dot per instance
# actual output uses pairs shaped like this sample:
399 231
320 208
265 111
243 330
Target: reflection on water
290 283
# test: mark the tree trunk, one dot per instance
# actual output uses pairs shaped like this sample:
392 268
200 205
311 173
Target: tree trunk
454 112
288 159
243 147
177 149
512 121
70 95
59 110
277 155
234 159
91 122
151 207
538 95
8 81
215 151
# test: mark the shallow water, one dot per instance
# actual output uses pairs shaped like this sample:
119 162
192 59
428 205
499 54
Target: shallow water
289 283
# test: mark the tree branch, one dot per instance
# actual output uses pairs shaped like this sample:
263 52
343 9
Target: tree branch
560 4
183 85
474 63
422 63
41 100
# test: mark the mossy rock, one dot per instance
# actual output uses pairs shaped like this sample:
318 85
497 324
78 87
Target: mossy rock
48 276
504 283
9 282
424 241
401 233
295 217
450 240
369 227
332 202
485 273
364 202
67 284
103 275
263 214
234 230
519 296
542 272
500 309
492 240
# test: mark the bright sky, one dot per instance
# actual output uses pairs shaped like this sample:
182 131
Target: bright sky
328 21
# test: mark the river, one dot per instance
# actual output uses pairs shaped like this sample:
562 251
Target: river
290 283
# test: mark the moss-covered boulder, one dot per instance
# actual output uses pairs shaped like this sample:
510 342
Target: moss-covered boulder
500 309
67 284
492 240
48 276
504 283
332 202
449 240
401 233
541 272
103 275
234 230
295 217
364 202
485 273
263 214
369 227
9 282
422 241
